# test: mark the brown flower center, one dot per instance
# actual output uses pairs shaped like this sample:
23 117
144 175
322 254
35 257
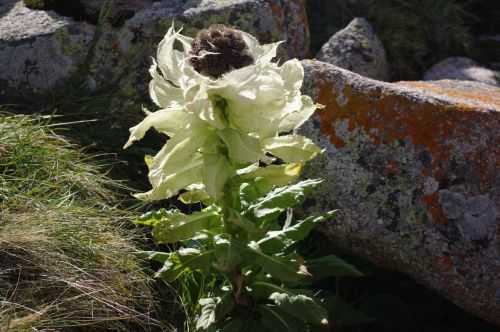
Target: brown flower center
232 51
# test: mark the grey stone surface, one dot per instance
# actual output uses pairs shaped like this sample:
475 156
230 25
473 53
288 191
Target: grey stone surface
358 49
465 69
118 11
413 169
39 50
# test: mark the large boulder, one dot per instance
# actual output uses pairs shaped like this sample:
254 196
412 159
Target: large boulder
39 50
461 68
413 168
358 49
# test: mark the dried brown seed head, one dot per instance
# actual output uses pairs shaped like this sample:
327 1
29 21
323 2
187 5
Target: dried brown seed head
232 51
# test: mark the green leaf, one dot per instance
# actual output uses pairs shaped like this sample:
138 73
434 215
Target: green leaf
185 259
151 218
213 310
274 319
176 226
278 200
195 193
216 171
301 306
156 256
292 148
242 148
263 289
275 175
277 241
331 266
285 268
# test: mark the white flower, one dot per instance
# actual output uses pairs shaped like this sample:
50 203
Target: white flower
218 126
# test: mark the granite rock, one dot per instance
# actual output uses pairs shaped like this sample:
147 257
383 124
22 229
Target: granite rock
465 69
39 50
358 49
413 168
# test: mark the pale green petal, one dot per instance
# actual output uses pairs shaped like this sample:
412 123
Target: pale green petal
254 47
163 93
292 73
269 52
261 53
167 121
242 148
217 170
256 98
252 120
195 193
209 109
292 148
299 111
169 60
178 164
173 183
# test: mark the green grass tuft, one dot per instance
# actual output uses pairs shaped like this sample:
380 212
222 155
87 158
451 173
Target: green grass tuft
67 254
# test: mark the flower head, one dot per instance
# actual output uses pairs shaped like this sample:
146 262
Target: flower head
218 50
225 105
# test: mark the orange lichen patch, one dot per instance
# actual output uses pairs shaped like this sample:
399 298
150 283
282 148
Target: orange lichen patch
386 117
326 126
434 208
489 97
442 129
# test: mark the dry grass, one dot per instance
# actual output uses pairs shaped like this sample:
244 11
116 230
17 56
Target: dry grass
67 259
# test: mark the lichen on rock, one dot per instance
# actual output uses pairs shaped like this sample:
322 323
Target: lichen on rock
413 168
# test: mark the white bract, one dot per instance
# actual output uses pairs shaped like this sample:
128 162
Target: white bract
218 126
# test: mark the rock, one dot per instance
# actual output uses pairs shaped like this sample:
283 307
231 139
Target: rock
358 49
119 10
413 168
39 50
465 69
